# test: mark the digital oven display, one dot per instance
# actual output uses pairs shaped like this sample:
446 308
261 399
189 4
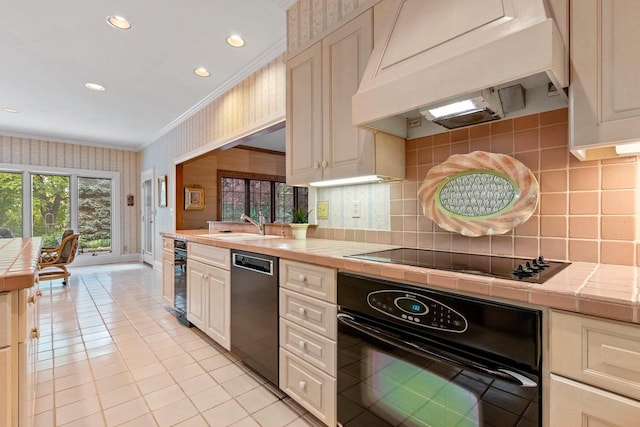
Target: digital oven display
411 306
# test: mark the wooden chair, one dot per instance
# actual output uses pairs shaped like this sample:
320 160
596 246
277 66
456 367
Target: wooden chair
53 261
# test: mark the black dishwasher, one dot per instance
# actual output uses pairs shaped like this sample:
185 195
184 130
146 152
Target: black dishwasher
254 312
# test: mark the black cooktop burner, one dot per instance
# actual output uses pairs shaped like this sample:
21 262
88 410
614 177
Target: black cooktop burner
536 270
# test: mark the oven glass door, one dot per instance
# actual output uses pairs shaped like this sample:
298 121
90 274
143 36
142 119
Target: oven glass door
381 384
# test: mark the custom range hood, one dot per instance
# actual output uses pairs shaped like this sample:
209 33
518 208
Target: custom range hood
480 55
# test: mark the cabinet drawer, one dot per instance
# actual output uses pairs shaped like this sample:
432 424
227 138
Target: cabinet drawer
167 244
598 352
309 279
5 319
212 255
319 316
308 386
309 346
576 404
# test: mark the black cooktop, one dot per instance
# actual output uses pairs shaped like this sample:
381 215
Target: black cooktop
536 270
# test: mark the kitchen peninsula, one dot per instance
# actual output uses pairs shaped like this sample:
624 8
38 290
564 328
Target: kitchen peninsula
18 329
590 313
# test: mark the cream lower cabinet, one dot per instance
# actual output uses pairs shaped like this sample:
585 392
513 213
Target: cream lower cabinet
577 404
308 333
209 292
18 349
168 275
595 367
604 107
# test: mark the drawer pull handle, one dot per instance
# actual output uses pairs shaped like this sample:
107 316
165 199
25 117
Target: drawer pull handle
302 344
316 165
35 333
302 278
39 293
31 299
302 385
302 311
324 164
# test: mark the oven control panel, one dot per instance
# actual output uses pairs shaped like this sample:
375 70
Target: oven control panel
419 310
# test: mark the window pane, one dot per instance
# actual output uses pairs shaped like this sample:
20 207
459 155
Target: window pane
94 214
50 202
11 203
284 202
302 197
259 199
232 199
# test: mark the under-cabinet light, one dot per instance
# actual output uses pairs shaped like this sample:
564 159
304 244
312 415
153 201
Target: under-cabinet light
367 179
10 110
633 148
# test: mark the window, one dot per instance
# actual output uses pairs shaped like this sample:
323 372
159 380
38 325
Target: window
250 194
11 202
43 202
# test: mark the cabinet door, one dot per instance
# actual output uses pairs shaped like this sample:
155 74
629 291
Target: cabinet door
604 94
304 117
168 276
6 397
218 319
196 293
576 404
347 150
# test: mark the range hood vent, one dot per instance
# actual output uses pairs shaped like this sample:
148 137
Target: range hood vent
430 53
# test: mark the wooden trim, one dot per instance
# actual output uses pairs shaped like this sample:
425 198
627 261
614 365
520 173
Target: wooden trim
249 175
260 150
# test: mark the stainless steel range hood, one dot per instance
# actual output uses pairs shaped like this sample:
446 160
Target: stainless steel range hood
430 52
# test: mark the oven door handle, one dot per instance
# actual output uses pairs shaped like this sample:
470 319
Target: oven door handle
500 373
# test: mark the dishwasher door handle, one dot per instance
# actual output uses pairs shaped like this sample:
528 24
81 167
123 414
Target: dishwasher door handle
251 263
389 338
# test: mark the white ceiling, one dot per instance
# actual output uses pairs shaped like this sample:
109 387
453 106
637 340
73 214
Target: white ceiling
50 49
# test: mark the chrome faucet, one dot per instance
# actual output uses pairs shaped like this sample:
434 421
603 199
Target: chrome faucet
260 224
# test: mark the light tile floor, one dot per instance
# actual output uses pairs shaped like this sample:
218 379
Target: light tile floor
110 354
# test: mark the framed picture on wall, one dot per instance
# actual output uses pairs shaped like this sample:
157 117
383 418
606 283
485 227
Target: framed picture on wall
193 198
162 191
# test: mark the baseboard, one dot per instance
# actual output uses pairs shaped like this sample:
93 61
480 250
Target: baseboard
105 259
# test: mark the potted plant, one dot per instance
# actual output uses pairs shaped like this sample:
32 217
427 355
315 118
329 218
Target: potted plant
299 222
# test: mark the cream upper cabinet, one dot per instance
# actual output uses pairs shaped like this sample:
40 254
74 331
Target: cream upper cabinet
304 116
604 107
321 142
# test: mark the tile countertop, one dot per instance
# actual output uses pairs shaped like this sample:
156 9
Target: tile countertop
603 290
18 262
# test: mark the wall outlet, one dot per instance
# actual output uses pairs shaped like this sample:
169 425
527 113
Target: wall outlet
355 210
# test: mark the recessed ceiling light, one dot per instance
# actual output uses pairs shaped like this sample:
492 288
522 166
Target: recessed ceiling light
235 41
95 86
10 110
202 72
118 22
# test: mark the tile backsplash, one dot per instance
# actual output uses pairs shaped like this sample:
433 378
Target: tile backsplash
587 210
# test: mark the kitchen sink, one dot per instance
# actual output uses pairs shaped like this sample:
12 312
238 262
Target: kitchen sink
238 236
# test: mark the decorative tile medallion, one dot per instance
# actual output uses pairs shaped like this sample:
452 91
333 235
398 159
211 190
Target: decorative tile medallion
479 194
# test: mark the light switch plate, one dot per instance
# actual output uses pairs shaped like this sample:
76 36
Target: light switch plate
355 213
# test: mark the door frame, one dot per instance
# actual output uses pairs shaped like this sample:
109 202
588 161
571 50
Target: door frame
147 175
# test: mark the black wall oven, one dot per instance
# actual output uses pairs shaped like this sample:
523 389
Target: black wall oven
410 356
